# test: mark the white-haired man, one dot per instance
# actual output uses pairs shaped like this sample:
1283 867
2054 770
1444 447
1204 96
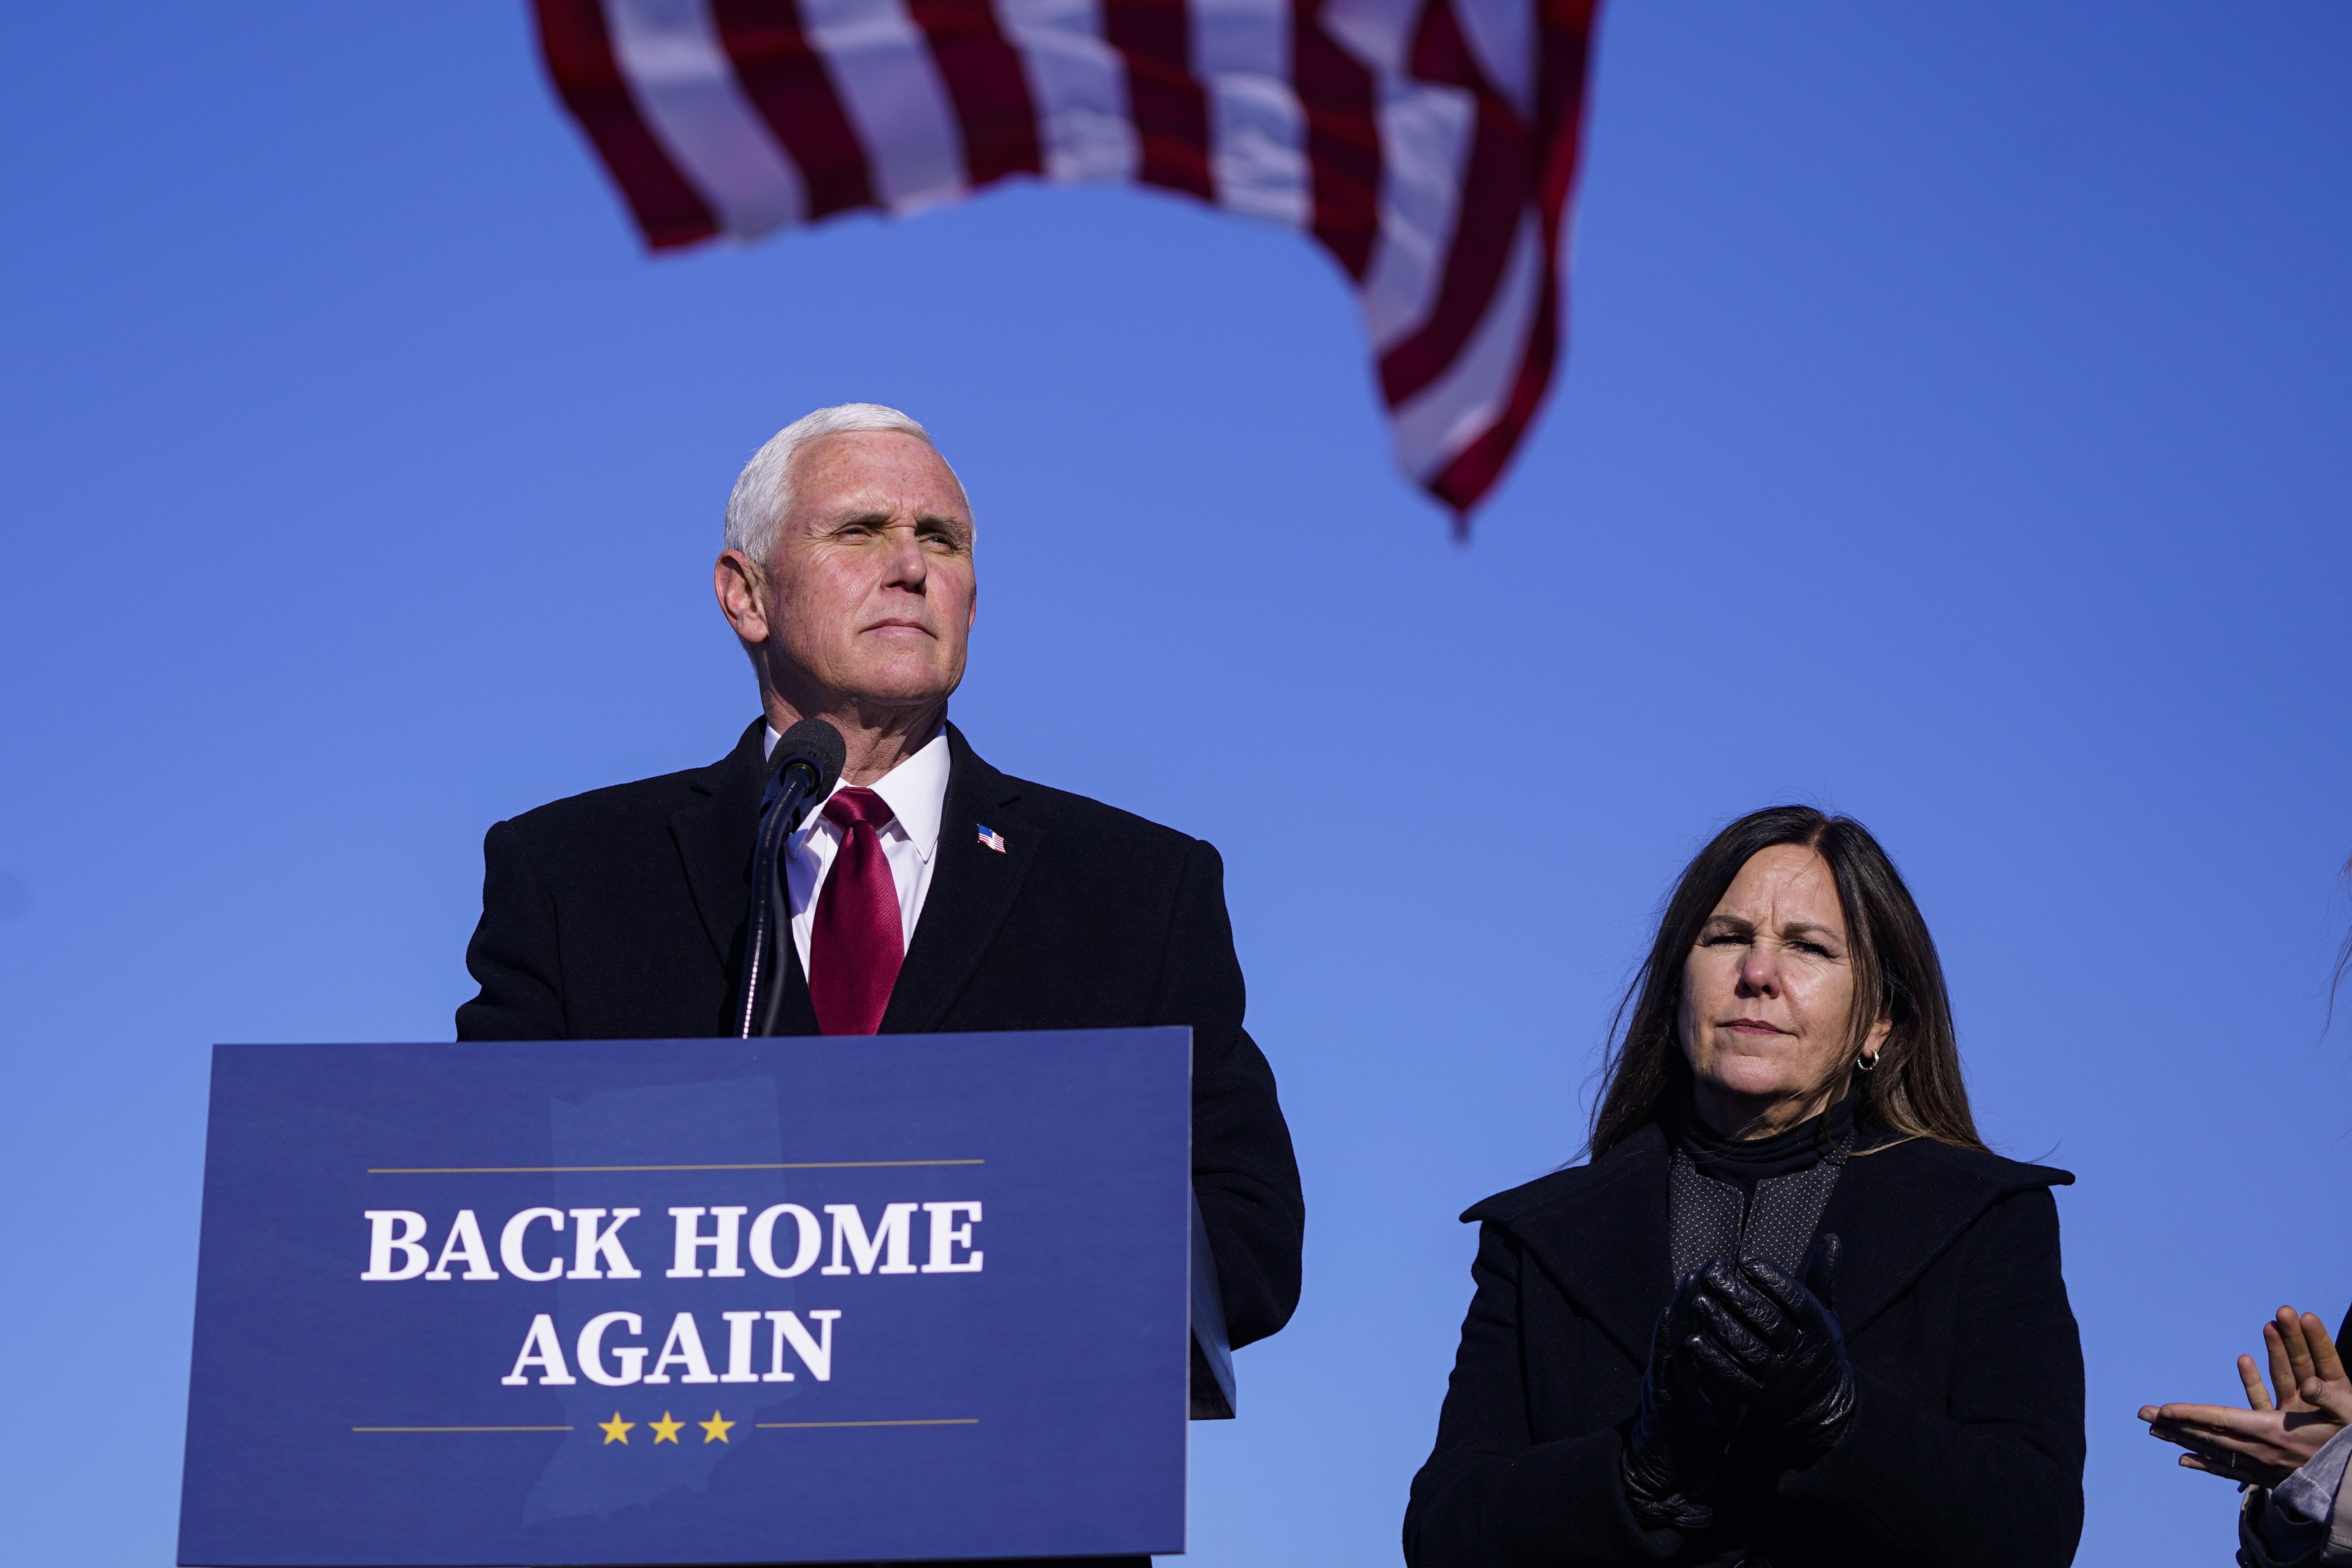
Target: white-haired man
931 892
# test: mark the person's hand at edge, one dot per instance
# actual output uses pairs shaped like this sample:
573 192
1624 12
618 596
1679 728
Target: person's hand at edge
2333 1400
2268 1440
2296 1360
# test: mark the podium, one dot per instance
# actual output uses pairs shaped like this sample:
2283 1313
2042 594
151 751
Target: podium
882 1299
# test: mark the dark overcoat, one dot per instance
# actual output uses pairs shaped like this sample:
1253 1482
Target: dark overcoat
1966 1447
622 914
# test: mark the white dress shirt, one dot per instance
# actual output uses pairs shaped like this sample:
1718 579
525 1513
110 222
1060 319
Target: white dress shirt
917 793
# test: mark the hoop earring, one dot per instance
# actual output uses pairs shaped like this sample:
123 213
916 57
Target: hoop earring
1865 1063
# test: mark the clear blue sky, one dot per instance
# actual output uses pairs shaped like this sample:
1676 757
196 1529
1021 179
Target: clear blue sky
1953 432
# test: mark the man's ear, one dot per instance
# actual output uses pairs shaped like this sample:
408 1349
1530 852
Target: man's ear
742 590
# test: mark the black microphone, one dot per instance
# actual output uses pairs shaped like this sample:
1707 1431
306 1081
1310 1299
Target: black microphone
802 769
810 752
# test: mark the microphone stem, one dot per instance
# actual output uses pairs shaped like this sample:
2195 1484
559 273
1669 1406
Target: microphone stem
763 943
779 922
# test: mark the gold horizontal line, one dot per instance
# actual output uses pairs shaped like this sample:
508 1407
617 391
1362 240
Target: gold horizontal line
566 1170
461 1428
783 1425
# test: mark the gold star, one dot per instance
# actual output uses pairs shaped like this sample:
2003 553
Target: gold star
615 1430
665 1430
715 1429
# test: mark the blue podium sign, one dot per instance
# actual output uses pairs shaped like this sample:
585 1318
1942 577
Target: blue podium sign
778 1300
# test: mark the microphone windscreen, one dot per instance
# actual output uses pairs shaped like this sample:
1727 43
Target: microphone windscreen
819 745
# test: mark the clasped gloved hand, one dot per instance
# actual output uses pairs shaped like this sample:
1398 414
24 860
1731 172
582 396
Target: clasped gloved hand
1768 1340
1680 1434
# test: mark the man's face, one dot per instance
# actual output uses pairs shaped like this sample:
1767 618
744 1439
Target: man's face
870 592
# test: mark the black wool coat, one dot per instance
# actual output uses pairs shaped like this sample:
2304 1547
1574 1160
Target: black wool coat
622 914
1965 1448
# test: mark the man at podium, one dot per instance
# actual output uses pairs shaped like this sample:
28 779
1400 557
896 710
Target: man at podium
929 892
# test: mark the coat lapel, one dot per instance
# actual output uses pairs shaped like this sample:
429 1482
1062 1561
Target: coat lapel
1603 1240
972 889
1895 1212
715 837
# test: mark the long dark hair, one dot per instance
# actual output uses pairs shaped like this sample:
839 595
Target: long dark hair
1915 1091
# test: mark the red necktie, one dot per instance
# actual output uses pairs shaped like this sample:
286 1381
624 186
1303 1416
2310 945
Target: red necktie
857 945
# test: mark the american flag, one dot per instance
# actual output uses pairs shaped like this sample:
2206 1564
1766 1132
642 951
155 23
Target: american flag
1429 146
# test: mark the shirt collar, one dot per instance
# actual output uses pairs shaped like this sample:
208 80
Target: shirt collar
915 791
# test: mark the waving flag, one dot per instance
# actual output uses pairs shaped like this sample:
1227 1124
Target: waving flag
1430 146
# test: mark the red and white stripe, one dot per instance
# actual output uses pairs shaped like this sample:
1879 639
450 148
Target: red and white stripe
1430 146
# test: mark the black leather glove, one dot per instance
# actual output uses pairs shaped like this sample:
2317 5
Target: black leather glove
1680 1434
1766 1339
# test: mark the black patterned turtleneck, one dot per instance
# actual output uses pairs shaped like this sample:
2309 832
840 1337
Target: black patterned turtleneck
1727 1196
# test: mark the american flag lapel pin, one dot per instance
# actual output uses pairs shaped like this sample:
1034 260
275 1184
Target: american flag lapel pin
993 840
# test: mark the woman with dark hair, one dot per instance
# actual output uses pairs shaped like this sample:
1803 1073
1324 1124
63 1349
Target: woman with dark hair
1791 1312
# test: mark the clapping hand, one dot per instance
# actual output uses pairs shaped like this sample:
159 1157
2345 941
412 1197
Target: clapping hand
1770 1343
2270 1440
1675 1447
